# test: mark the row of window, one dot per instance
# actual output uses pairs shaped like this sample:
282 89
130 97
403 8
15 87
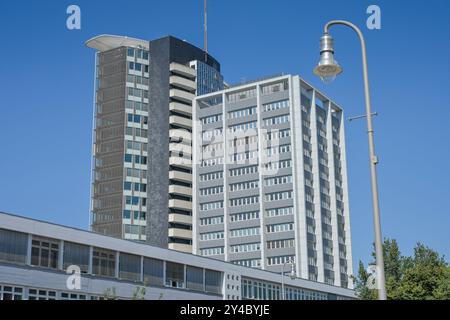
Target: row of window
245 232
279 244
281 227
244 201
211 119
243 126
140 187
277 196
45 253
277 134
279 212
138 53
137 215
277 180
136 173
136 118
250 263
135 201
244 185
137 132
211 191
262 290
278 150
211 206
136 105
247 247
277 120
276 105
212 251
135 158
211 221
279 260
136 145
278 165
244 216
211 176
212 236
139 93
242 113
137 66
137 80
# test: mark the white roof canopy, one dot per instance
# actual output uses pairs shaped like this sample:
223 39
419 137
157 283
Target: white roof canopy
106 42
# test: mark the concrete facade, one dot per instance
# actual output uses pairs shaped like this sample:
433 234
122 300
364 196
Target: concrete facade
142 116
270 180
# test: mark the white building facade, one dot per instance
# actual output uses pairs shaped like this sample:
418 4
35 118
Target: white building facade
270 180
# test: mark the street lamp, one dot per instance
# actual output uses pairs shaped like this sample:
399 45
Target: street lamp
292 275
327 70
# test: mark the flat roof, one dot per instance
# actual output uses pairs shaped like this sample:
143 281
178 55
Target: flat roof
105 42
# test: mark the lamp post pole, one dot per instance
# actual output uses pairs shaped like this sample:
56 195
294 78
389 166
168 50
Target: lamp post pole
373 159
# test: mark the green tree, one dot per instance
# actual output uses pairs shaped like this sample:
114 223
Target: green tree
425 275
362 285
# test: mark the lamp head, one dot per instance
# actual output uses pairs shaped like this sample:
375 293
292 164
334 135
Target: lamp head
328 68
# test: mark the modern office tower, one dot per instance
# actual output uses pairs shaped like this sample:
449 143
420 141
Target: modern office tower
270 180
141 179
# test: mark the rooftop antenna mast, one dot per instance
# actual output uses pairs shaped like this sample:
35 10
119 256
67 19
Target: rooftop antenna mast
205 29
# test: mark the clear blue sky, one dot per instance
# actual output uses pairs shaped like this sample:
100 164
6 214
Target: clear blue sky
46 93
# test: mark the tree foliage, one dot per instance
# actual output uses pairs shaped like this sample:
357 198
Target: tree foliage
423 276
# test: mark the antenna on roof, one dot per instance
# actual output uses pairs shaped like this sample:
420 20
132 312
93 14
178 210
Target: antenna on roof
205 29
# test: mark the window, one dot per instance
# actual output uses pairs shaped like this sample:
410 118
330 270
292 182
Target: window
276 120
250 263
211 221
211 119
211 205
11 293
279 212
271 261
282 227
212 251
72 296
277 244
38 294
245 232
244 216
244 201
242 113
13 246
129 267
127 185
276 105
276 196
247 247
76 254
153 271
211 176
213 281
104 262
278 180
44 252
130 52
174 275
194 278
211 236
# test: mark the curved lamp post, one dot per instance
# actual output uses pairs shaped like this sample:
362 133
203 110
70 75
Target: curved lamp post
327 70
292 275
